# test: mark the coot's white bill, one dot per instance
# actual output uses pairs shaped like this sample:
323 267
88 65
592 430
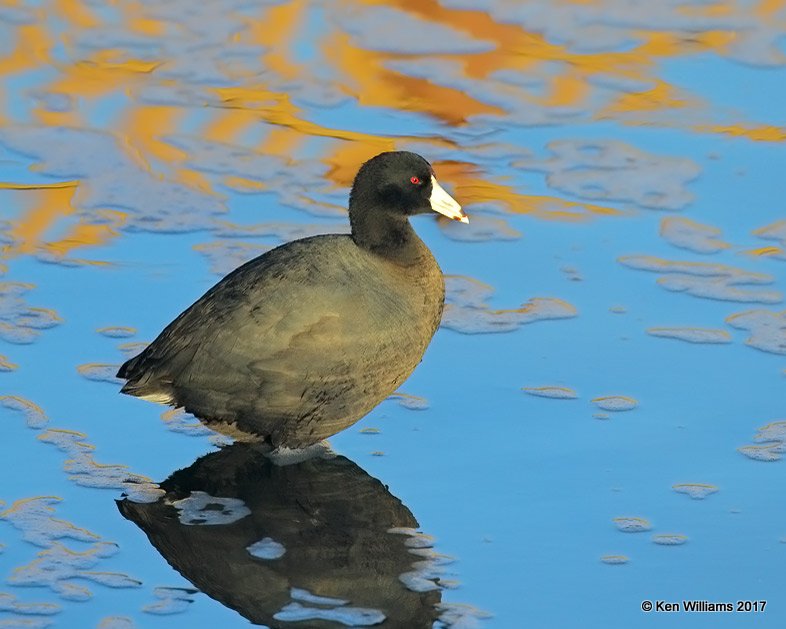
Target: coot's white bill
445 204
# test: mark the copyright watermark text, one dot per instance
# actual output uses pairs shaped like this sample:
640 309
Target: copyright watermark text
704 606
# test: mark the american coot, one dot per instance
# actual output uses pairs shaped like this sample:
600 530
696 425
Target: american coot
304 340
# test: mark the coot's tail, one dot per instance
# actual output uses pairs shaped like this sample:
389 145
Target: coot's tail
127 368
141 383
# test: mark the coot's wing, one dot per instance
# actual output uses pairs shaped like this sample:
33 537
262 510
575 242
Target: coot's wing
287 318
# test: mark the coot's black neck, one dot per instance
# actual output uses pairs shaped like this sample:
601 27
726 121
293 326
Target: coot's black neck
386 234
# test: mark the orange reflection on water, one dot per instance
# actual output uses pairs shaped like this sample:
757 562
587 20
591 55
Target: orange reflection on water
260 90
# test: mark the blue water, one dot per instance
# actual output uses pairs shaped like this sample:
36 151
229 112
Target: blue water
521 490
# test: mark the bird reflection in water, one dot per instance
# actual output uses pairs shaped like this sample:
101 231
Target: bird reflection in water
318 543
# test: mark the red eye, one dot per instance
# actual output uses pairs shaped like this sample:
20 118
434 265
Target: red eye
415 180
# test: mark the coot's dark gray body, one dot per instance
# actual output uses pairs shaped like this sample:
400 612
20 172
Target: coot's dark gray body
306 339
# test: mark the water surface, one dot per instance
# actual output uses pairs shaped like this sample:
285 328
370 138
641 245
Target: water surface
600 420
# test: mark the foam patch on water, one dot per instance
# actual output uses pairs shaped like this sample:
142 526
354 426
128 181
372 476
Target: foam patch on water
692 335
85 471
460 616
178 420
202 509
429 569
615 403
347 616
10 603
19 322
553 392
170 600
100 372
670 539
772 443
466 310
34 414
117 331
615 560
116 622
765 453
775 231
290 456
57 566
697 491
26 623
707 280
632 524
572 273
774 431
129 350
687 234
331 609
34 518
410 402
266 548
6 365
720 289
304 596
767 329
609 170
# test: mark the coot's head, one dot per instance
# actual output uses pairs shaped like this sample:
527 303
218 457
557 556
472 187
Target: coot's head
399 184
